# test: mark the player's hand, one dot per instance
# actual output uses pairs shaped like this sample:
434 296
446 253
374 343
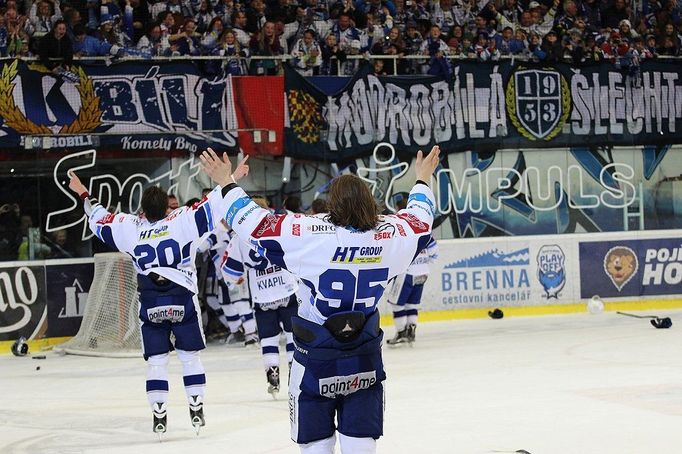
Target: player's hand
425 166
219 170
241 171
75 183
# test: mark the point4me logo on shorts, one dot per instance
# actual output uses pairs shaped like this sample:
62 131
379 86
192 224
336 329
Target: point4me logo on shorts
342 385
551 269
166 314
620 264
538 103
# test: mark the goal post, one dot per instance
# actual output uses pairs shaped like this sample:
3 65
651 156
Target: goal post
110 326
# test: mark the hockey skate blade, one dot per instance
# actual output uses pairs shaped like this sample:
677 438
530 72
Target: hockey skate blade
398 345
196 423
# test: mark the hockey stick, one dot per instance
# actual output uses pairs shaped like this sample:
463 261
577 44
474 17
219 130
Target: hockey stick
656 321
637 316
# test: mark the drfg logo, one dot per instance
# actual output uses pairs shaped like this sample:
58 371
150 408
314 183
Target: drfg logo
346 384
166 314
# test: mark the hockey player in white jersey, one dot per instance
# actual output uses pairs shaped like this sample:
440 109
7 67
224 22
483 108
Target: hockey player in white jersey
163 250
273 291
228 299
344 261
405 294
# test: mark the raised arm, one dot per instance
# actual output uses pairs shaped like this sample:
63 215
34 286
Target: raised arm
420 202
100 220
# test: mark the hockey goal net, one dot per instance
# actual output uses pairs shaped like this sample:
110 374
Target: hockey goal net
110 325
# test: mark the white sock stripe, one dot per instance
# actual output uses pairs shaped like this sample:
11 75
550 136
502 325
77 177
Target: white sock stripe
270 360
270 341
296 378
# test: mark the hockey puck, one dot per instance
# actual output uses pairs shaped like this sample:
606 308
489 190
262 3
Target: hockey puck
496 314
39 357
37 367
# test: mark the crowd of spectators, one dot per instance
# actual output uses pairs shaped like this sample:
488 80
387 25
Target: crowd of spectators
314 31
21 240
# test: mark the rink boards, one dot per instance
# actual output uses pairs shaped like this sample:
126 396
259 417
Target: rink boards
549 274
44 301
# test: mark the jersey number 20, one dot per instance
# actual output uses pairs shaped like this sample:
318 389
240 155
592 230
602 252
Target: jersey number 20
166 254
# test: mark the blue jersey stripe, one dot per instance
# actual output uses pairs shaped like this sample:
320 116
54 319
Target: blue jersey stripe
107 236
209 217
235 207
232 266
231 272
200 219
419 197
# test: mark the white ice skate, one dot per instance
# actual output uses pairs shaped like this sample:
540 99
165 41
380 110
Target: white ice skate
160 418
273 381
196 413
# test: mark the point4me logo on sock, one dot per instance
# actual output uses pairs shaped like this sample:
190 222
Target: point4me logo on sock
346 384
166 314
551 269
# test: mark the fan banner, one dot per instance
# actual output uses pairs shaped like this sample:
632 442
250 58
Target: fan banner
487 105
138 106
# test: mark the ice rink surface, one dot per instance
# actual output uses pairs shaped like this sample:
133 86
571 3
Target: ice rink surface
549 385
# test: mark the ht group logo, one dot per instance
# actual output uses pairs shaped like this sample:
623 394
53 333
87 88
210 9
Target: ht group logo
357 255
153 234
346 384
551 269
166 314
621 265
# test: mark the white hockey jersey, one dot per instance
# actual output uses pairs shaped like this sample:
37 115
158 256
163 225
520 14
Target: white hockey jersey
420 265
268 283
341 269
166 247
215 245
